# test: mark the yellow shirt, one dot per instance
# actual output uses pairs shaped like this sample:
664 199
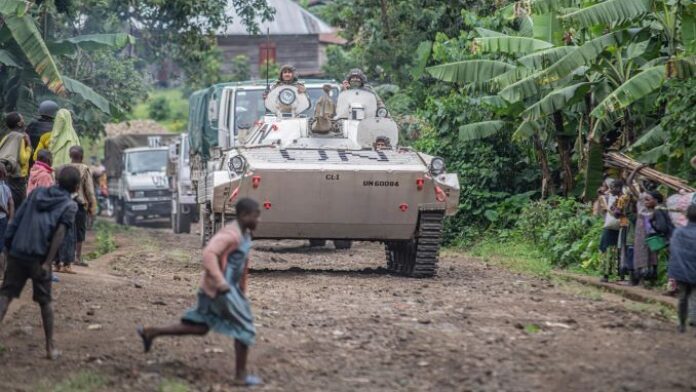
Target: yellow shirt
44 144
24 157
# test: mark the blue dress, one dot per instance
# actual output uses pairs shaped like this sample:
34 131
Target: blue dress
228 314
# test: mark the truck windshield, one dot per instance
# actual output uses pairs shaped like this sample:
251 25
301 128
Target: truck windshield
249 106
147 161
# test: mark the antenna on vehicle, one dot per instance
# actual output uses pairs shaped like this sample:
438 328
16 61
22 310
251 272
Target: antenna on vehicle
268 48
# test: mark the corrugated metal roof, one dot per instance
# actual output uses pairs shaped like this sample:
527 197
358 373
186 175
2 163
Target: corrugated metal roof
290 19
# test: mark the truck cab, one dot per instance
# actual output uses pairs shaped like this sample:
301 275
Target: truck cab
184 208
143 188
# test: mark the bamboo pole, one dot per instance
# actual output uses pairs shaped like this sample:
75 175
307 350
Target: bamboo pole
622 161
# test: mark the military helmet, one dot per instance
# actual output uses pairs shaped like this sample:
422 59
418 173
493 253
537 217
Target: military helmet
287 67
48 108
357 72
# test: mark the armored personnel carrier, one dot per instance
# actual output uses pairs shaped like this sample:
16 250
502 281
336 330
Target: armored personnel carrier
351 182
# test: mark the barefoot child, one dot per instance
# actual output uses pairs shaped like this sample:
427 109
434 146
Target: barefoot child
222 303
32 240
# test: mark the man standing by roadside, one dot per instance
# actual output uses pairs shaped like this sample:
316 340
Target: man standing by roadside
36 128
15 154
33 239
86 204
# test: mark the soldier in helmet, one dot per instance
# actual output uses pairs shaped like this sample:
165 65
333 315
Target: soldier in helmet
356 79
288 77
36 128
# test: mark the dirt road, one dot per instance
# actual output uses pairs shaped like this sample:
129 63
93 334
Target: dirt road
333 321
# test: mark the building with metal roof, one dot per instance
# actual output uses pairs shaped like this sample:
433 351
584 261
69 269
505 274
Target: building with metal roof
296 36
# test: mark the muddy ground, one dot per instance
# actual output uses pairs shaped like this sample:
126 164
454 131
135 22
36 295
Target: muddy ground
333 321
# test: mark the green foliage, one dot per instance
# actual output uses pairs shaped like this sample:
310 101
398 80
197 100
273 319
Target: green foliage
240 69
84 381
174 118
170 385
562 229
273 70
159 109
104 240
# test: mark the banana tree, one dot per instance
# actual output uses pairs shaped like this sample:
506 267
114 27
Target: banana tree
585 65
29 66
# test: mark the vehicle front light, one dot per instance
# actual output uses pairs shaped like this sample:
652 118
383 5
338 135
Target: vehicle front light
437 166
382 112
138 194
237 164
287 96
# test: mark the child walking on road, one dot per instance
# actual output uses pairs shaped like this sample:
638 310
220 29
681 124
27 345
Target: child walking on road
682 263
222 303
33 238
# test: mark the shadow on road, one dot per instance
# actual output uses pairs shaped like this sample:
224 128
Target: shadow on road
379 271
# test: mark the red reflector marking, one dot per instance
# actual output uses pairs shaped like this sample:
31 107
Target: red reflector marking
403 207
419 183
440 195
267 205
255 181
274 127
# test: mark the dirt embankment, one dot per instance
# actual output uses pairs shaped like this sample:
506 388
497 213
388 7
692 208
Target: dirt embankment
333 321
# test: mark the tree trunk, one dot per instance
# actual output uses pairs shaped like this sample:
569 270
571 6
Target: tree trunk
547 186
564 146
385 18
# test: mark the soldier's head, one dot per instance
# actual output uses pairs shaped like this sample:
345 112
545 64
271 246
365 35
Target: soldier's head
48 109
14 121
356 78
77 154
287 74
381 143
248 213
326 88
44 156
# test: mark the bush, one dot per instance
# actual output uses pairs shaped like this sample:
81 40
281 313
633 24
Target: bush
160 109
564 230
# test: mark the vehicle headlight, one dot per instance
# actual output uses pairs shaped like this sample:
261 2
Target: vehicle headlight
138 194
382 112
287 96
437 166
237 164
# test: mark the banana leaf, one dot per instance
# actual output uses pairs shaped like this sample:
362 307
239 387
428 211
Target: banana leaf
510 45
544 58
480 130
86 92
594 170
609 13
632 90
90 42
469 71
556 100
28 38
7 58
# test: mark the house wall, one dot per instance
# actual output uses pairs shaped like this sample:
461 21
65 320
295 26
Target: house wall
302 51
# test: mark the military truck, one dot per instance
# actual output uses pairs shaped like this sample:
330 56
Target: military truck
184 207
353 182
136 171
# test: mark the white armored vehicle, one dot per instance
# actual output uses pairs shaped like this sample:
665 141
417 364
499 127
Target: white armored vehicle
350 182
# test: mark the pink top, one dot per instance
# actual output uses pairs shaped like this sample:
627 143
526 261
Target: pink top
40 176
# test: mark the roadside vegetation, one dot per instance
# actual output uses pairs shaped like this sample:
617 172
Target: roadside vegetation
522 97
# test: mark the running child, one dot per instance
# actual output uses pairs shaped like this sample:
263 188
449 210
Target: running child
222 303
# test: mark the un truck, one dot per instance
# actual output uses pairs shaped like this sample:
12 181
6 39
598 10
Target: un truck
137 179
184 207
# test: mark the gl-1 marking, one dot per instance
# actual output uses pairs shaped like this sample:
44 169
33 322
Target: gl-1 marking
381 183
332 177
